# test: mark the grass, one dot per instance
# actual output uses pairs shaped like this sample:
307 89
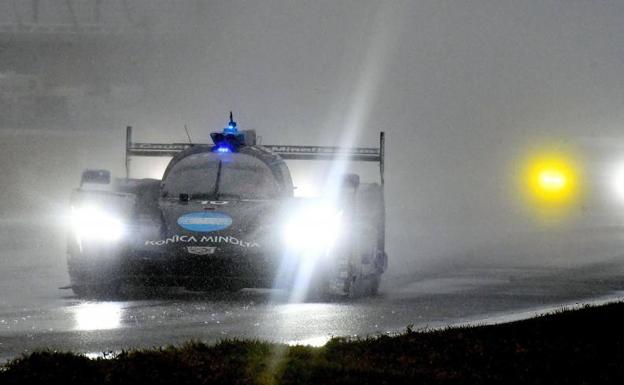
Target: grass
584 346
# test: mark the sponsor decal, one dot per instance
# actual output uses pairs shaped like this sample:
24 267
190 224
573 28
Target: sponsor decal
322 150
215 203
205 221
203 239
160 146
201 250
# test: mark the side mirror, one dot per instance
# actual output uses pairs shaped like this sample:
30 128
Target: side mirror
95 177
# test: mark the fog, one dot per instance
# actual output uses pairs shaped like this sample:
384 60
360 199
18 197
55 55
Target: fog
463 90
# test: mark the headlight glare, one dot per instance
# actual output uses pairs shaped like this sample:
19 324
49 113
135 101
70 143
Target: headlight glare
313 228
90 222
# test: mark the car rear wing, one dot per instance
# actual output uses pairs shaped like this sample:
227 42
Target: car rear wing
359 154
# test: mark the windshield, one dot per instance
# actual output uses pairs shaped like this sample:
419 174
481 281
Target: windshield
220 176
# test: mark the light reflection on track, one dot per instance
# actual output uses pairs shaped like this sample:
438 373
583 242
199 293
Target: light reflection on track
34 314
97 316
67 323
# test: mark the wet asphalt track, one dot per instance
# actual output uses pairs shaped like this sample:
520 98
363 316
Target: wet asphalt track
35 314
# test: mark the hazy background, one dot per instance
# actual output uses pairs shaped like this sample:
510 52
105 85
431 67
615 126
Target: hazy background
463 89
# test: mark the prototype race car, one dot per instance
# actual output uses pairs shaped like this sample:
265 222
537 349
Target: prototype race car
224 216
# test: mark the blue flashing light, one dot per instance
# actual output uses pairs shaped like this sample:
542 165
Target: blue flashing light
229 140
230 130
231 127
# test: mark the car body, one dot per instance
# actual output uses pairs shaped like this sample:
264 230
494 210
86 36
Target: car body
223 216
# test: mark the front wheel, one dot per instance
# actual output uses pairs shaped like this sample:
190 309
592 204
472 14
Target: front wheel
94 277
363 281
365 286
98 291
359 259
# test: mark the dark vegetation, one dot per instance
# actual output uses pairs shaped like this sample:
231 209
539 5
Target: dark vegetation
584 346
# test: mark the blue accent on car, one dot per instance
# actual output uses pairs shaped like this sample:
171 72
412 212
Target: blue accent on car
229 140
205 221
230 129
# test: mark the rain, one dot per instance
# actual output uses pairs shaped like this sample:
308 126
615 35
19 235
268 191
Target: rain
503 153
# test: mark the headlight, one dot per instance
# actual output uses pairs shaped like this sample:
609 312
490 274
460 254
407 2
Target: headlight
90 222
313 228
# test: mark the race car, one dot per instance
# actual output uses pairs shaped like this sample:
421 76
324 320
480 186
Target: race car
224 217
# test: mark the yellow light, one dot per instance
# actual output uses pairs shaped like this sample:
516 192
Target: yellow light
551 179
551 182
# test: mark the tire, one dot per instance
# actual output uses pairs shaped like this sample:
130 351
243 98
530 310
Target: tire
371 259
373 289
91 279
100 291
364 286
364 258
226 286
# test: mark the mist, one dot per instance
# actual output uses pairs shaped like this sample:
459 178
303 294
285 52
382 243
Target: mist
463 91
